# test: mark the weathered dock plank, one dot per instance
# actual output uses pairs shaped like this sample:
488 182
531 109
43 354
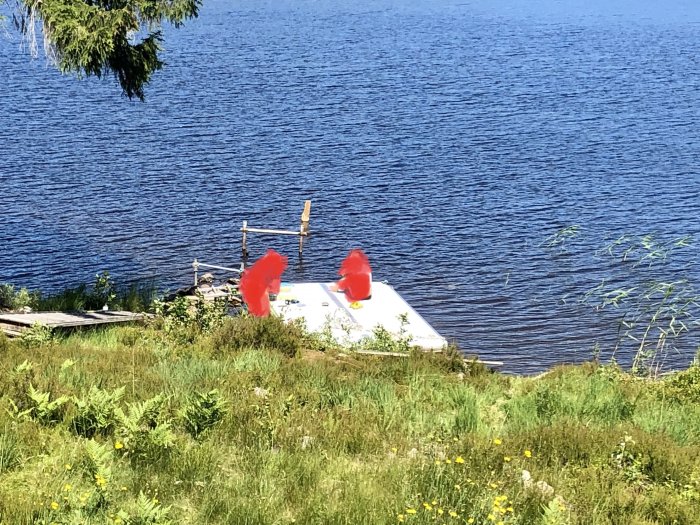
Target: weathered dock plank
14 323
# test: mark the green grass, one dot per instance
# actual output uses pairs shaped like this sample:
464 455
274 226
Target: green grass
326 438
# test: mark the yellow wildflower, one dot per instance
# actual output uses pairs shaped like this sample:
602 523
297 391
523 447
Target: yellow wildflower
459 459
434 502
67 466
507 459
427 506
510 509
393 449
67 487
410 511
527 454
401 518
491 517
497 441
453 514
493 485
100 480
440 512
448 461
118 445
54 505
437 462
470 520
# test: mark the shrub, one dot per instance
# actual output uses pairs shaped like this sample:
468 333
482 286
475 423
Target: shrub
37 335
12 300
183 317
683 387
271 332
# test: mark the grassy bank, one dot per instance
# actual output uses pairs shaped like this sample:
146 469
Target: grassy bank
156 425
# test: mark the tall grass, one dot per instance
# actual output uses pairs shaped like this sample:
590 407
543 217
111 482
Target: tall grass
329 438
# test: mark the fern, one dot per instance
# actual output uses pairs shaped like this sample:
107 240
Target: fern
202 412
96 414
42 409
146 511
145 434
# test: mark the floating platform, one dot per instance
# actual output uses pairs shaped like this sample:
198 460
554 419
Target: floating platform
325 310
13 324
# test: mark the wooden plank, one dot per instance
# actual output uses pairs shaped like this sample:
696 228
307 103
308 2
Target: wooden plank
275 232
11 330
64 319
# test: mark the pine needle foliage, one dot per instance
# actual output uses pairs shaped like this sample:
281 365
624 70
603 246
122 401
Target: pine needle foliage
99 37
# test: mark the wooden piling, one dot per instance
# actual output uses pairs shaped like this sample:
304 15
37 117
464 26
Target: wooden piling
244 246
304 227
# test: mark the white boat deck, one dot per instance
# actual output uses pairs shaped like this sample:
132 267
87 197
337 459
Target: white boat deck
324 309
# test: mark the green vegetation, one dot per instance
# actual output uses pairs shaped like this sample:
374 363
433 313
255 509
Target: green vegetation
136 297
102 37
244 422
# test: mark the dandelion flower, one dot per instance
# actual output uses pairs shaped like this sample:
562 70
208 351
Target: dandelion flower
410 511
440 512
118 445
67 466
453 514
527 454
459 459
54 505
427 506
507 459
510 509
497 441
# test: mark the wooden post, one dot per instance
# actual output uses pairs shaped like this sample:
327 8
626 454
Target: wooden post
195 265
304 227
244 246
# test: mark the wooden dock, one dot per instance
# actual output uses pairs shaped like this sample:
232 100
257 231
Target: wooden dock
14 324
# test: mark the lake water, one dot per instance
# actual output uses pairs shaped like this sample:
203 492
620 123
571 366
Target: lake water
449 139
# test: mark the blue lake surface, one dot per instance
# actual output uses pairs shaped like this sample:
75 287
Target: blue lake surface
448 139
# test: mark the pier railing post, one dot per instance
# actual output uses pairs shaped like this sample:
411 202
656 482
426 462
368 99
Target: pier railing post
304 227
244 245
